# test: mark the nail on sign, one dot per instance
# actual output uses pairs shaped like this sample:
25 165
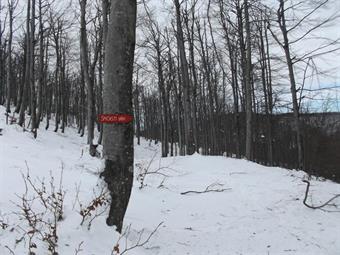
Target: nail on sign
115 118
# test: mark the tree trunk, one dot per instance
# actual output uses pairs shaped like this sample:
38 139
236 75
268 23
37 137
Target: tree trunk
189 146
248 87
27 69
9 58
32 76
57 80
100 94
118 138
266 92
191 41
105 9
234 80
41 64
202 38
136 107
85 65
286 47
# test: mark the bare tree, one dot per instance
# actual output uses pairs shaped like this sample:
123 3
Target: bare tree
31 45
26 85
11 8
286 43
154 41
84 52
185 80
248 86
3 17
43 7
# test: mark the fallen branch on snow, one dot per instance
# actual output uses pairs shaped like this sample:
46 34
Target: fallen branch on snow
208 189
320 206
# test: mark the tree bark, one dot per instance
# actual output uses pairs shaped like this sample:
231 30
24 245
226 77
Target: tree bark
118 138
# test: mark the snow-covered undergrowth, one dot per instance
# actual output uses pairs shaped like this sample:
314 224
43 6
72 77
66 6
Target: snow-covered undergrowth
258 211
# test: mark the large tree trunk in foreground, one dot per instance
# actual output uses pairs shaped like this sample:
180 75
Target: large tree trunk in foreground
117 98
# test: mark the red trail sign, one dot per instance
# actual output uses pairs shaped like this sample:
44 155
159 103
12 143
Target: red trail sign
115 118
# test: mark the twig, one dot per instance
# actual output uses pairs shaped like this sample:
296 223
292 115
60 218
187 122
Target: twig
79 249
138 243
77 195
232 173
97 202
205 191
3 225
320 206
42 223
12 252
161 185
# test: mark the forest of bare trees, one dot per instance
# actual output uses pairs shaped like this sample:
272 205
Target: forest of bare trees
216 77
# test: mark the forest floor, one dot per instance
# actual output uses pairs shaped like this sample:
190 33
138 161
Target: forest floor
249 209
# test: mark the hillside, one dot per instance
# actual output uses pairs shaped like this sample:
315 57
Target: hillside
253 210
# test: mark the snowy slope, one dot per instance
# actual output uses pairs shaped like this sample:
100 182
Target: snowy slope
259 212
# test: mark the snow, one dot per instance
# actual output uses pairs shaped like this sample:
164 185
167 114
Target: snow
259 212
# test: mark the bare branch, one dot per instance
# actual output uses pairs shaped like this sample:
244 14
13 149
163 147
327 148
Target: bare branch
328 203
208 189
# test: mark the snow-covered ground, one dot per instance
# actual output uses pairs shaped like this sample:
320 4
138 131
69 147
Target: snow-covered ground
260 210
